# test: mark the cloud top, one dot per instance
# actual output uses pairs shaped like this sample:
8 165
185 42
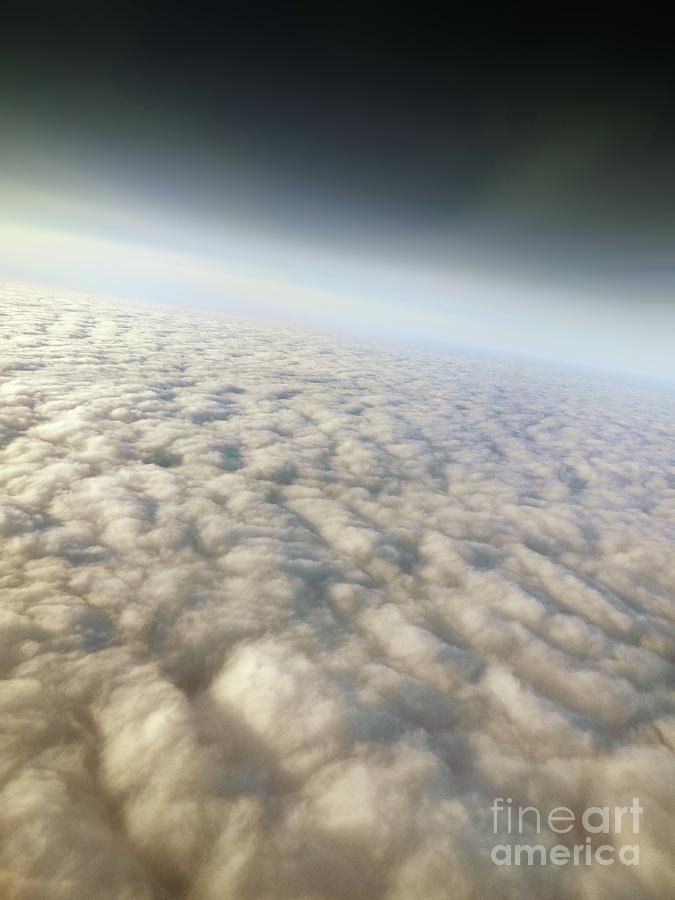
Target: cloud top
282 615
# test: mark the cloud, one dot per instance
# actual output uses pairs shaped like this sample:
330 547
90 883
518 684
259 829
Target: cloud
282 615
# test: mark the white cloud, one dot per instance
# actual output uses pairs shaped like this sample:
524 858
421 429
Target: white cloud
282 615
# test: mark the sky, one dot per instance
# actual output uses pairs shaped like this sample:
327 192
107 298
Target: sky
373 174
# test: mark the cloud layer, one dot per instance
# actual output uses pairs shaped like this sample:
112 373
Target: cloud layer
281 615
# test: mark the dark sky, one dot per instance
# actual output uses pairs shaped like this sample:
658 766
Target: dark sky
542 145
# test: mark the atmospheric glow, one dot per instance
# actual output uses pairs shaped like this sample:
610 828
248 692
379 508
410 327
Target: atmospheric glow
247 270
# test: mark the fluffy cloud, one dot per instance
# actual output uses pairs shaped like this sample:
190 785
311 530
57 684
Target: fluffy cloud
281 615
